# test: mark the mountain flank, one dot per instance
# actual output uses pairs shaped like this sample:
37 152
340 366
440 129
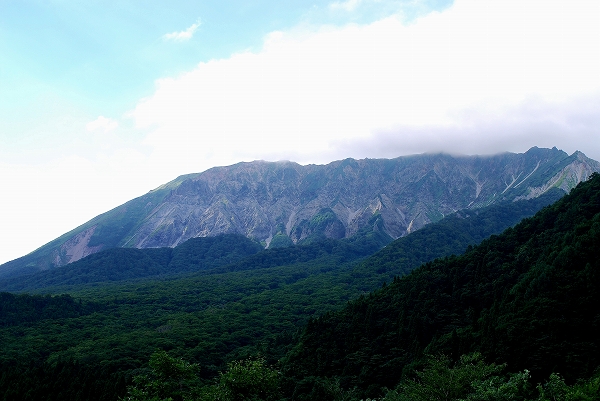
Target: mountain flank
527 298
283 203
227 253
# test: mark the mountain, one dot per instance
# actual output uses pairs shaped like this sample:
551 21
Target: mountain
89 344
192 300
285 203
234 252
528 298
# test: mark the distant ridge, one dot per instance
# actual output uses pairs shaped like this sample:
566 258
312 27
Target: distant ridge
285 203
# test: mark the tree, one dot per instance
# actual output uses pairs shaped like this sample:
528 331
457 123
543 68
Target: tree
249 379
555 389
500 388
470 379
168 379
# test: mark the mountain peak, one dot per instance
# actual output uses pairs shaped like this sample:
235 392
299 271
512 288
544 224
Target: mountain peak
263 200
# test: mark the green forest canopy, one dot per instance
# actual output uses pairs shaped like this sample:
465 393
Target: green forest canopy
540 277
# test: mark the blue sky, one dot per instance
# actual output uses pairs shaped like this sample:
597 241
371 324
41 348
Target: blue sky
101 101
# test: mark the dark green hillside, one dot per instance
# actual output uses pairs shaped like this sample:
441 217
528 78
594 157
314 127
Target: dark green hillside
233 252
228 252
207 253
119 264
28 309
328 251
450 236
210 319
528 297
211 316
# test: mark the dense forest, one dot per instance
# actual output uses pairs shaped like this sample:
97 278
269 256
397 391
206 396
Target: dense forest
528 298
315 322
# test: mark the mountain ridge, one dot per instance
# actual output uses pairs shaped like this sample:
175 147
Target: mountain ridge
233 252
294 204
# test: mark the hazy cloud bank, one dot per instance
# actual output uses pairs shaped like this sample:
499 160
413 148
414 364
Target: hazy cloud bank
481 76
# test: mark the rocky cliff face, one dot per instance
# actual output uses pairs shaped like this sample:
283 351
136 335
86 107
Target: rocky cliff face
284 202
262 200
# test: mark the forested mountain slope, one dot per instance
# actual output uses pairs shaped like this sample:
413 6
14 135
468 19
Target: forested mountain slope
234 252
284 203
121 264
88 349
528 297
450 236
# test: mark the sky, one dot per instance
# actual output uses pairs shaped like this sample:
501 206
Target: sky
102 101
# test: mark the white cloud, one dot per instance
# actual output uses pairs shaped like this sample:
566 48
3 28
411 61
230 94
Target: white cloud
348 5
183 35
307 92
571 125
480 77
102 124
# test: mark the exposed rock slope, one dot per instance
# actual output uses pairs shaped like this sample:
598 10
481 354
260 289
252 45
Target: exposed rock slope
284 202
